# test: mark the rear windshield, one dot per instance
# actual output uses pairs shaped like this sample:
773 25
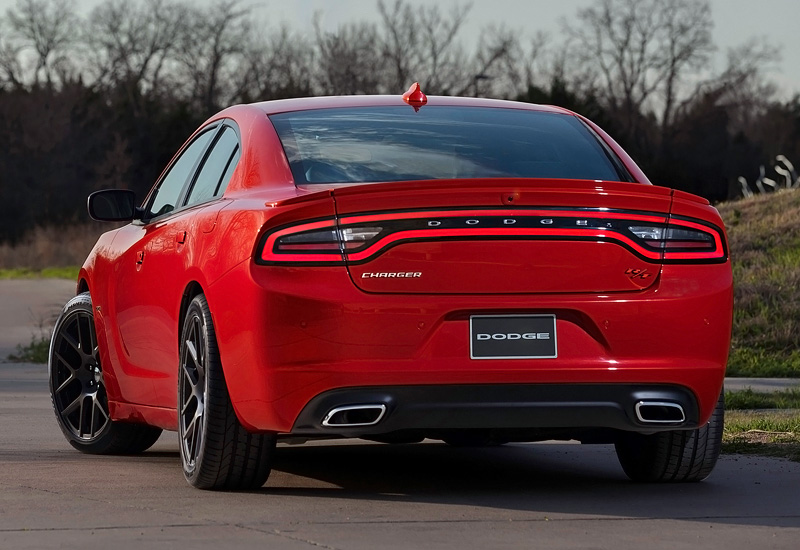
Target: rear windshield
378 144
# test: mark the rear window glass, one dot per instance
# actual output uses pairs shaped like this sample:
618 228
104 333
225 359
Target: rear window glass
378 144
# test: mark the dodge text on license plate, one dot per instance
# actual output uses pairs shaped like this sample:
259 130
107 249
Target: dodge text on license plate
513 336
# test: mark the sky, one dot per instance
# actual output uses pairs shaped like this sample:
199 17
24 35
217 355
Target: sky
735 21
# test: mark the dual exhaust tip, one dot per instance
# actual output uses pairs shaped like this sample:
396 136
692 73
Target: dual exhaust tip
354 416
659 412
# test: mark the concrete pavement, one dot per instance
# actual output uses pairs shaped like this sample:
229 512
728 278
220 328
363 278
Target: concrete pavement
761 384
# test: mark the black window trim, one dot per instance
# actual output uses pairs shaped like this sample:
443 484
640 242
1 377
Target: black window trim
236 150
622 170
188 187
216 128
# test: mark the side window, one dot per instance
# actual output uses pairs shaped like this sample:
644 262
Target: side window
169 190
213 177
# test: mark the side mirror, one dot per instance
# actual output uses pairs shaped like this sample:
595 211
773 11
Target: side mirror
113 205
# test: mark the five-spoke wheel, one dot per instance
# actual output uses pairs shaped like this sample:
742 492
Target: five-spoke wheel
78 389
192 388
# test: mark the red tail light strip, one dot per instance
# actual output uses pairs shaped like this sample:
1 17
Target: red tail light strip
268 253
549 224
717 253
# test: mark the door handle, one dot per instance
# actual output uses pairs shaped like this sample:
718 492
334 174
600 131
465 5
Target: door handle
139 257
180 237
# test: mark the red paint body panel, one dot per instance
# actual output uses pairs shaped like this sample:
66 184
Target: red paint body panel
287 333
319 333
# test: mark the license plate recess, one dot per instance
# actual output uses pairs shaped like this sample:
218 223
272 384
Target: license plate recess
520 336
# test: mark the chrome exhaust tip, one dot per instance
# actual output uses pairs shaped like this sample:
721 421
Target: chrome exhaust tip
350 416
659 412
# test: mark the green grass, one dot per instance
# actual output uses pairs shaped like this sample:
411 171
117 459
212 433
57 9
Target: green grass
69 272
764 241
34 352
749 399
763 433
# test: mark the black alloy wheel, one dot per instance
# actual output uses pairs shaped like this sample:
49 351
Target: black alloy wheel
78 389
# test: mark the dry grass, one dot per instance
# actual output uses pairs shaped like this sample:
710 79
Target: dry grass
52 247
764 235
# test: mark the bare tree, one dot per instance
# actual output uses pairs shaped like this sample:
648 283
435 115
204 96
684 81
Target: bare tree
419 43
349 60
278 66
45 28
132 41
211 52
10 62
500 66
743 89
687 43
643 51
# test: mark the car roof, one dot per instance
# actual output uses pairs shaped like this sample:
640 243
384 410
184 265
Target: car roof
329 102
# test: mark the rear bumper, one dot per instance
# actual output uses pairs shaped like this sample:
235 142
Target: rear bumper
291 337
496 407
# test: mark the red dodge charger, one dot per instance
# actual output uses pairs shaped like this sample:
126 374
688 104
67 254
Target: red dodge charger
398 268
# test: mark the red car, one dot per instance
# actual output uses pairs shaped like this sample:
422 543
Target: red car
399 268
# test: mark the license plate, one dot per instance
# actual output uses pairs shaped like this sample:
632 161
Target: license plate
512 337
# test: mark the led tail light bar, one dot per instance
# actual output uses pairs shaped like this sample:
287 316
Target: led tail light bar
359 238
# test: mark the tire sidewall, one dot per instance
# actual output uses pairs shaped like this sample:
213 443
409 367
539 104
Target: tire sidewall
80 303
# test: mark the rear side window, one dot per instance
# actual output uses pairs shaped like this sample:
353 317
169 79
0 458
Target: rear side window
378 144
169 190
217 168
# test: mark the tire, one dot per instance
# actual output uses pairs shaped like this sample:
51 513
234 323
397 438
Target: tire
216 451
78 391
674 456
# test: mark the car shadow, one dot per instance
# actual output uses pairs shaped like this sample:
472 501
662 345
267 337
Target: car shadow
547 478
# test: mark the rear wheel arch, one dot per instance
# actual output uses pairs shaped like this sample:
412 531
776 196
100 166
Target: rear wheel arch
217 452
83 286
192 289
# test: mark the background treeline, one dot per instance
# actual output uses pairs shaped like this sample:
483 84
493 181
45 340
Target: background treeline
103 99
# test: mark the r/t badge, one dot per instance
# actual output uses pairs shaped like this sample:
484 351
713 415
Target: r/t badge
637 273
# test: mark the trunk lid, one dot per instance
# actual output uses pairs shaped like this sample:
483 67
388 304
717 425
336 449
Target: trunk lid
500 236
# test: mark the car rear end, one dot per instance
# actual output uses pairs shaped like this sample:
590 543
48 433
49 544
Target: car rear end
462 269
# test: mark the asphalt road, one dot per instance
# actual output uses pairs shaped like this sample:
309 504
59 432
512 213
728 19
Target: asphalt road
355 495
28 308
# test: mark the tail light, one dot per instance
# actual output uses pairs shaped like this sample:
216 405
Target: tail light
682 240
317 242
359 238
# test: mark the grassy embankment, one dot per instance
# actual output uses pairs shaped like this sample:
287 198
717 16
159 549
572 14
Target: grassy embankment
67 272
773 433
764 235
